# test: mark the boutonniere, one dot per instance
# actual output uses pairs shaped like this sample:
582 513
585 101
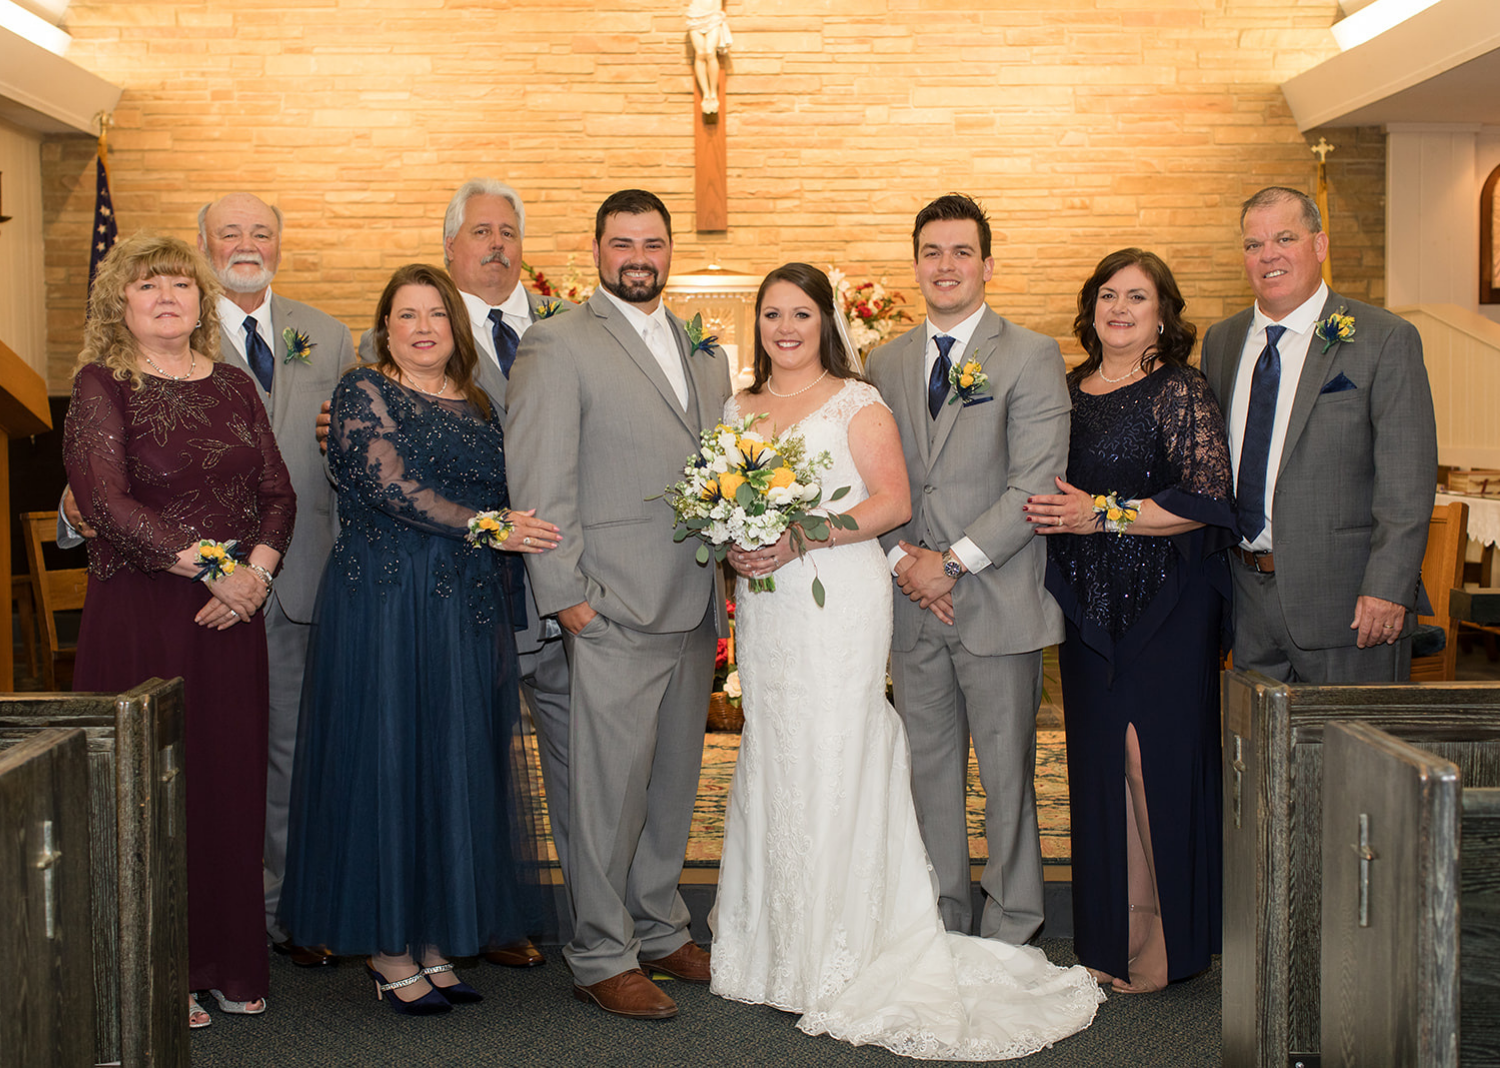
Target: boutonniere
298 345
1337 327
696 337
546 310
967 381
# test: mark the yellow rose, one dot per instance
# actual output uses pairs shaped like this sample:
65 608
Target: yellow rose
710 490
752 449
730 483
781 477
971 368
1113 515
488 523
1099 501
965 380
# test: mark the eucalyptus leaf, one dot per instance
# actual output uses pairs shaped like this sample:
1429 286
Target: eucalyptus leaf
839 493
703 553
817 591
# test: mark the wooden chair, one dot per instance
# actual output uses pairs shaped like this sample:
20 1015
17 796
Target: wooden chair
1442 570
54 591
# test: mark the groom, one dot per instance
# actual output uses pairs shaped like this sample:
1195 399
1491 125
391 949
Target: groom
605 405
971 615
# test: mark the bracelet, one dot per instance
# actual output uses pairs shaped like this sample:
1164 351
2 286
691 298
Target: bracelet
1113 515
217 559
491 528
265 576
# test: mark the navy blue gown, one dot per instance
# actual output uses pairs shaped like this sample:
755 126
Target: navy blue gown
410 819
1143 619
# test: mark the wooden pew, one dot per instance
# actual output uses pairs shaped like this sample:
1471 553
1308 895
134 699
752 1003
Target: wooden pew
1411 894
44 884
137 819
1273 815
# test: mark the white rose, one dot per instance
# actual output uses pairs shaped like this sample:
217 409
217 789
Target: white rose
732 684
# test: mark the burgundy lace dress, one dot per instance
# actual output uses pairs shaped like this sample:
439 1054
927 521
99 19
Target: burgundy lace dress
154 470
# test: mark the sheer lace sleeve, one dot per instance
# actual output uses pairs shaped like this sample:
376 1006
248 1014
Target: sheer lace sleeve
1192 432
95 441
375 432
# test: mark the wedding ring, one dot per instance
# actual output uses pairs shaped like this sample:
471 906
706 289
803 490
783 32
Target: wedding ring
525 541
1057 521
1389 626
235 614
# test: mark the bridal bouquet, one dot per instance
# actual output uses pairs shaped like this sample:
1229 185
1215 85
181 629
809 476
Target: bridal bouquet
741 489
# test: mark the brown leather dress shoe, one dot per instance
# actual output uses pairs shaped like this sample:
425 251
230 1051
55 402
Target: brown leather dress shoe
520 954
687 961
629 994
306 956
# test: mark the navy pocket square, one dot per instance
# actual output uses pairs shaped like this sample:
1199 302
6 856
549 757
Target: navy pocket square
977 400
1337 385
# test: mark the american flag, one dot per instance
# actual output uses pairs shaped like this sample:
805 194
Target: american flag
102 237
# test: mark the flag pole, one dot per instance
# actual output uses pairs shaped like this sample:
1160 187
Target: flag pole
1321 150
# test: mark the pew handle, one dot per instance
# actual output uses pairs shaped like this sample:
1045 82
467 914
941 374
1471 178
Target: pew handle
47 862
1239 775
1366 855
170 778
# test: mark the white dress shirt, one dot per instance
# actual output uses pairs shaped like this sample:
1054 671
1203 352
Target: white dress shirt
233 318
515 311
1293 349
968 554
656 331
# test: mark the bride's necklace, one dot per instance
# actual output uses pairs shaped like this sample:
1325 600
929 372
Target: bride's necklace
1116 381
192 366
796 392
429 392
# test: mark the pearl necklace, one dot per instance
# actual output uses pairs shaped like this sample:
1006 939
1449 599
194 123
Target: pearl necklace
192 366
429 392
1116 381
796 392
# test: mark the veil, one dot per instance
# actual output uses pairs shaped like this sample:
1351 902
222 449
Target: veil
850 351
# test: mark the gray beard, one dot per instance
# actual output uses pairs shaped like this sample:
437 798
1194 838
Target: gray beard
240 284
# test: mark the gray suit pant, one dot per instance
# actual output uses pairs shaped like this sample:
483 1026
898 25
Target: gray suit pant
1262 642
635 740
286 647
946 694
544 685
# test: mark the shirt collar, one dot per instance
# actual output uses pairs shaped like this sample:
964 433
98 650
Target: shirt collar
634 316
1300 320
961 331
517 307
233 316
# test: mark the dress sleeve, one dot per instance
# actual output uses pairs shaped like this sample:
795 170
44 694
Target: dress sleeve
1192 430
276 499
368 438
96 437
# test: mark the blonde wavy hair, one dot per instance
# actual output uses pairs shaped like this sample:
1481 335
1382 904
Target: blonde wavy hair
106 339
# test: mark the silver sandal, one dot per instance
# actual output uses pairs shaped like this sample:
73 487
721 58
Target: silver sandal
238 1008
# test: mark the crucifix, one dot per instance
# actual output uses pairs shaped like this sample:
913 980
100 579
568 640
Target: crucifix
708 32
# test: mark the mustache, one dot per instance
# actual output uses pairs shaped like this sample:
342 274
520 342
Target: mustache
498 256
638 267
247 257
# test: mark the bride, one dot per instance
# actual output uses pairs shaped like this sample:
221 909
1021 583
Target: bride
826 905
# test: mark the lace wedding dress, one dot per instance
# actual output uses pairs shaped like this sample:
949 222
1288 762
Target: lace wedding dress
827 906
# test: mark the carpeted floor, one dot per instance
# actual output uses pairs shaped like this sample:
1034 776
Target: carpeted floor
328 1017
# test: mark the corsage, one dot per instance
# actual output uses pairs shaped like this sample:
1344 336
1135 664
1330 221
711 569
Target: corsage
217 559
491 528
1113 515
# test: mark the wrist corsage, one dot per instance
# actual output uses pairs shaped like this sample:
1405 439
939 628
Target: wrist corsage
1113 515
217 559
490 528
967 381
1337 327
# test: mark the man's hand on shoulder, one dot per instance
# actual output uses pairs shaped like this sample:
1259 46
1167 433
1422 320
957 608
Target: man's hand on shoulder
1378 622
924 581
324 424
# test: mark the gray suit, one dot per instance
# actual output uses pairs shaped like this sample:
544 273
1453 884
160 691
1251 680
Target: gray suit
971 470
1352 501
596 430
297 394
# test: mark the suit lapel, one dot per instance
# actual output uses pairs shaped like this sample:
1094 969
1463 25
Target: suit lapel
983 346
1229 367
1310 384
231 355
912 372
614 321
283 317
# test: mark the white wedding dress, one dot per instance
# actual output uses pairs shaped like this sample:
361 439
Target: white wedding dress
827 906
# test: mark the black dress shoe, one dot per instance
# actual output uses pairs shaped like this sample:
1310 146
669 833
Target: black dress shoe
306 956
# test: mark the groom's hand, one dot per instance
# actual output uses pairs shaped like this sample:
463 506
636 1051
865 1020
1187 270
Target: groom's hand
924 581
574 619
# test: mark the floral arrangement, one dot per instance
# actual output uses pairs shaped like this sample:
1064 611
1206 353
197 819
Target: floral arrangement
701 342
741 489
572 287
491 529
968 381
298 346
1337 327
870 311
1114 515
218 559
726 671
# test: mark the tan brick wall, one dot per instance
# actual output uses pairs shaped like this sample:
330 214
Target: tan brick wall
1084 125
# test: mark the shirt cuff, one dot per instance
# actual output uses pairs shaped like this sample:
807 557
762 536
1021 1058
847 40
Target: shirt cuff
67 537
970 555
894 557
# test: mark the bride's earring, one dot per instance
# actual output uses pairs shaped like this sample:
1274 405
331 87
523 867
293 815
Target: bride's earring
1159 329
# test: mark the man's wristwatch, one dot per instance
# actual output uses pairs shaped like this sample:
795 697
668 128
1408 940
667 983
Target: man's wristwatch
951 565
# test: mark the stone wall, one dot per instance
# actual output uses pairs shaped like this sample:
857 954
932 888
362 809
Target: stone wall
1084 125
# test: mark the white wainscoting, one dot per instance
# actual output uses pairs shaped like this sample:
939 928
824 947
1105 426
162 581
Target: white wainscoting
1462 350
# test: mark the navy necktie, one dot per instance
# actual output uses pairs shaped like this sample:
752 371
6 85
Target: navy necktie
937 382
258 354
506 340
1255 451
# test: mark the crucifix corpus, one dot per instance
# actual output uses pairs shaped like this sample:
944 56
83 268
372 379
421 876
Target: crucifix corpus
708 32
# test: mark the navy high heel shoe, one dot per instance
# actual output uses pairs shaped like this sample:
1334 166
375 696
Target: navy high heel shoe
460 993
429 1004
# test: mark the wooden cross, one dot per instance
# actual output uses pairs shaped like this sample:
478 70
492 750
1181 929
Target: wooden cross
710 185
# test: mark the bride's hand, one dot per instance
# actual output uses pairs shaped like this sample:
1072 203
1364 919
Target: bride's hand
758 563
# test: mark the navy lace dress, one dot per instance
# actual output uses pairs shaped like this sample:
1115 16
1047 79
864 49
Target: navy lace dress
410 819
1143 621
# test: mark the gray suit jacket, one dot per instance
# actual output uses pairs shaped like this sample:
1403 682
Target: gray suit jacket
1353 493
973 470
298 393
595 430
